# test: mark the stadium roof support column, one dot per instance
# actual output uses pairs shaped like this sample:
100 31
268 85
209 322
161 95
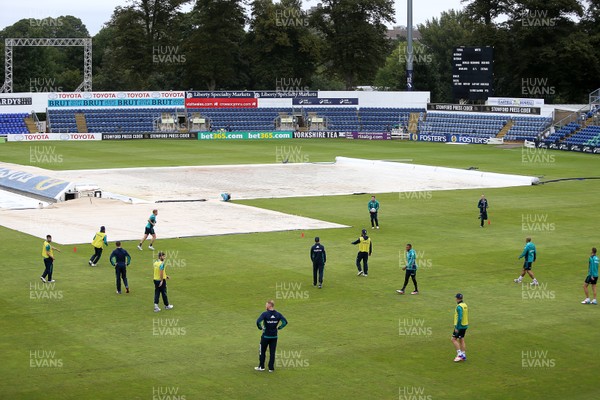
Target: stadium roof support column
9 43
409 47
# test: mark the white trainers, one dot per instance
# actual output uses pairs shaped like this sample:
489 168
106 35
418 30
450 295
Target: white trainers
399 291
90 262
150 247
535 283
377 227
93 265
586 301
258 369
52 281
458 359
594 301
156 308
517 280
139 247
43 279
169 307
360 273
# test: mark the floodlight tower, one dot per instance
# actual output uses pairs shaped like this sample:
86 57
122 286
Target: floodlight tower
409 47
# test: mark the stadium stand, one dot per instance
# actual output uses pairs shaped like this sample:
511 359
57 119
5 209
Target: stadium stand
13 123
468 124
104 120
384 119
561 133
588 136
527 128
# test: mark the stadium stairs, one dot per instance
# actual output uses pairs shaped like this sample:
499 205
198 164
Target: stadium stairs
81 123
509 124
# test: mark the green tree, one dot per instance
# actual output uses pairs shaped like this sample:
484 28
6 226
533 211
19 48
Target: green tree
355 41
392 76
215 46
280 46
440 37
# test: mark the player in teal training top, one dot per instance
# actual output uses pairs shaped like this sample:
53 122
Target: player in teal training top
592 278
529 253
149 230
411 269
373 210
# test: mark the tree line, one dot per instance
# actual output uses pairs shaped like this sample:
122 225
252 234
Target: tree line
546 49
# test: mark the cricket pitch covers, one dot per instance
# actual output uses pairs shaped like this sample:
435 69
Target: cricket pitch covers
130 194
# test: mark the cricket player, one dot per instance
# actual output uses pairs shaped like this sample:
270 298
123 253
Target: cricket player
530 255
48 256
120 259
461 323
411 269
365 248
483 206
149 230
98 242
160 282
373 210
268 323
592 278
318 257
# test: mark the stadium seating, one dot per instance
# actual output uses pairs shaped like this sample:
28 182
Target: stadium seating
13 123
467 124
527 128
589 136
561 133
242 119
109 121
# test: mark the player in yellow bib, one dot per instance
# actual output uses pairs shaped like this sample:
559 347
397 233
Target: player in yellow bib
461 323
160 282
48 256
98 243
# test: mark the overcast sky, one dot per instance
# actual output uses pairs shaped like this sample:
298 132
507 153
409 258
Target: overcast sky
94 13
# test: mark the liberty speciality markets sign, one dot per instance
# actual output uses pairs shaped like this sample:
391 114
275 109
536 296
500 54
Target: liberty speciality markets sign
26 182
116 99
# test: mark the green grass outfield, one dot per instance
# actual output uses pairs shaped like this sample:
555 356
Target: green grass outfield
354 339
